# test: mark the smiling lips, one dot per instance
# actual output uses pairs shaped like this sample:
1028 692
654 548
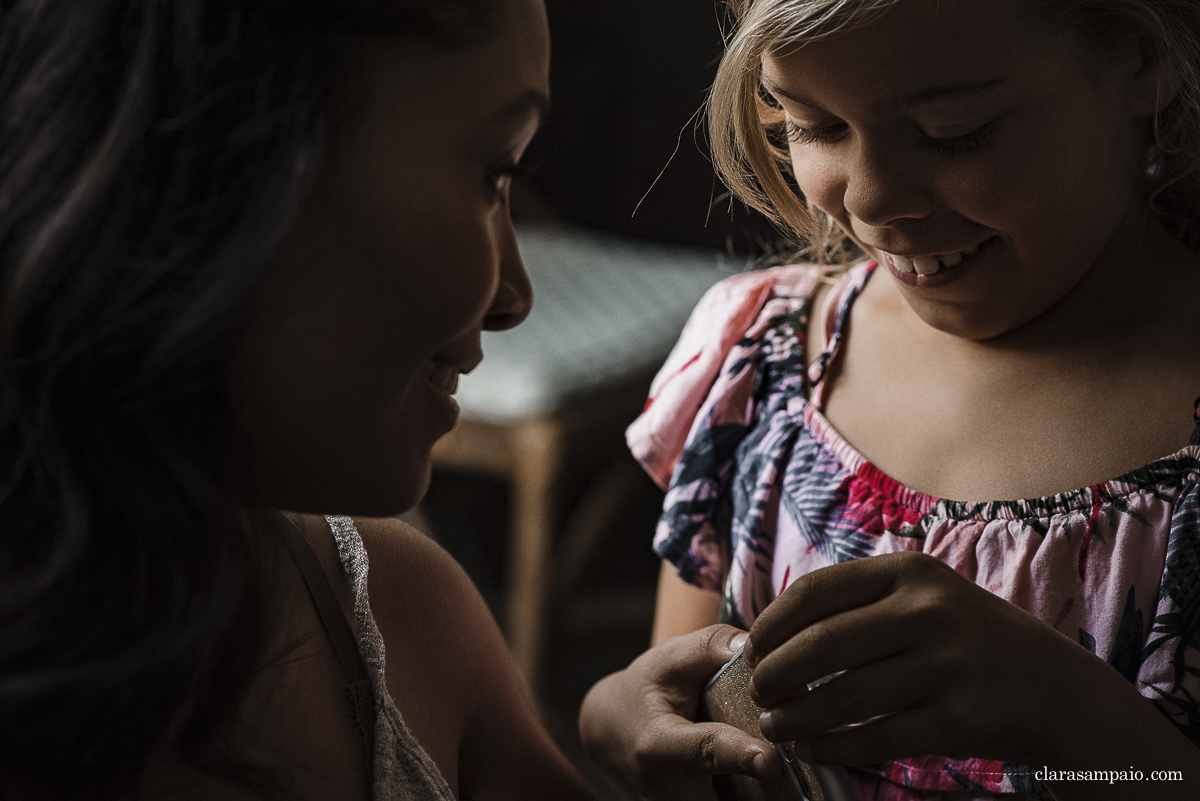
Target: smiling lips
929 265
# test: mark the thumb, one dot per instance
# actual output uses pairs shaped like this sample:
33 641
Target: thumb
714 749
697 656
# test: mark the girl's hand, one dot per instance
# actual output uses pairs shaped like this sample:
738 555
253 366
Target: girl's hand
638 723
953 669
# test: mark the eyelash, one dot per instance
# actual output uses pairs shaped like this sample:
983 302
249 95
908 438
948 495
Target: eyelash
955 145
496 176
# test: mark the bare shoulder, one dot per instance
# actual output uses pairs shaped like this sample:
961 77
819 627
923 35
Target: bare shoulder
449 672
409 568
424 604
421 596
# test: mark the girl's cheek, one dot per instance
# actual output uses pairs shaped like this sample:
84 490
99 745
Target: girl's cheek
821 183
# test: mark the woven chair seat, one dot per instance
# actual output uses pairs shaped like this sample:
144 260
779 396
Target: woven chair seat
605 308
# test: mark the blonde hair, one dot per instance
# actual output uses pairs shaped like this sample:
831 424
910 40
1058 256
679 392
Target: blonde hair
746 125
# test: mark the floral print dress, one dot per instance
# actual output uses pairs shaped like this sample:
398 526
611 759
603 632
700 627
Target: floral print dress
761 489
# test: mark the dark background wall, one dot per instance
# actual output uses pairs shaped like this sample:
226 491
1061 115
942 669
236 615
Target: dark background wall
629 79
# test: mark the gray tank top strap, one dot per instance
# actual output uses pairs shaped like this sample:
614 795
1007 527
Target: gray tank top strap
355 679
402 770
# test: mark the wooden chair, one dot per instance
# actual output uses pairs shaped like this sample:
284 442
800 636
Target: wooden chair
559 390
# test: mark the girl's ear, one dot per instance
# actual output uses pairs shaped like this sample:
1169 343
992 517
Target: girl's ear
1154 83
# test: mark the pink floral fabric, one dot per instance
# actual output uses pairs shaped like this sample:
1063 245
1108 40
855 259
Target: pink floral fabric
761 489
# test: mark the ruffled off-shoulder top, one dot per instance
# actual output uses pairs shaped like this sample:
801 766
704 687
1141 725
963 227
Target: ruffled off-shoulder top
761 489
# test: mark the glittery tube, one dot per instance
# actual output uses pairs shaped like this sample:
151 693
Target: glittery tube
727 700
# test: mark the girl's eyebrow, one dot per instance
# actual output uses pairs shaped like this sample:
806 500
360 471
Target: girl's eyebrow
948 92
923 98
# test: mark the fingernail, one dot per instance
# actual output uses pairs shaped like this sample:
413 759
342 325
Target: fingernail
738 641
764 724
748 651
759 765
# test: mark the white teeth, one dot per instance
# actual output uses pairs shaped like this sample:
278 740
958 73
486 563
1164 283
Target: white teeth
444 377
928 265
925 265
951 259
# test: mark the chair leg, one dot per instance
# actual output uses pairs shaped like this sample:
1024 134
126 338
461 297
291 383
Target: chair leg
537 454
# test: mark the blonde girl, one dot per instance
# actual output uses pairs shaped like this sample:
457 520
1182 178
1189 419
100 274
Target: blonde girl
955 460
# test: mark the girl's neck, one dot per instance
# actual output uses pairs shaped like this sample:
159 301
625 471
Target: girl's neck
1098 385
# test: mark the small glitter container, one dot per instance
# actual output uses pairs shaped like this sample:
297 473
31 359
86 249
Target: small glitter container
727 700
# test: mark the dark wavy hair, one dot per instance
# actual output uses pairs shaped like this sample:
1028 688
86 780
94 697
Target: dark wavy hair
153 156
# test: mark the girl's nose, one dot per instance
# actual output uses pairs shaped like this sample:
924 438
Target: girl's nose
884 187
514 296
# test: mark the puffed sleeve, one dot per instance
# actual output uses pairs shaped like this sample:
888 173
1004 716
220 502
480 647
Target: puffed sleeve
1170 669
701 407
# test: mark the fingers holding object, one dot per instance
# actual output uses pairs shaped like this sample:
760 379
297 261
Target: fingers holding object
847 640
867 692
820 594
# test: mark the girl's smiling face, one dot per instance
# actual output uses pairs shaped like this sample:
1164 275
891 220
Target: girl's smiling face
988 163
404 255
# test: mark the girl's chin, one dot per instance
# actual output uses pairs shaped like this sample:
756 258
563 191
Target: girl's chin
961 321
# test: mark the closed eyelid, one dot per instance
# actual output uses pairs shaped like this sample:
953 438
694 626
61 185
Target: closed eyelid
972 137
978 137
964 103
947 129
945 126
936 115
810 116
791 125
930 98
804 134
